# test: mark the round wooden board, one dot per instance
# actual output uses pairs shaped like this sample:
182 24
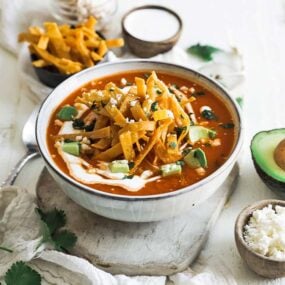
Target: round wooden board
159 248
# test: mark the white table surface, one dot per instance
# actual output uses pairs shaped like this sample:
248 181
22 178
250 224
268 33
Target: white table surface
257 28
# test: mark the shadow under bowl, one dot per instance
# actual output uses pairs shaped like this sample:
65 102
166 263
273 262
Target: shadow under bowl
262 265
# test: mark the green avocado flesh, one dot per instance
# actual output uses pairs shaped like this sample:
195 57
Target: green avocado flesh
262 147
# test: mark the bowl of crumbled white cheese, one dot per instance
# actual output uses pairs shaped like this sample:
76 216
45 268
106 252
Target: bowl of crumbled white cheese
260 237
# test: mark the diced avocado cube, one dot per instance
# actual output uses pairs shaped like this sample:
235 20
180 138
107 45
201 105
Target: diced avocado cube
196 158
71 148
170 169
197 133
67 113
119 166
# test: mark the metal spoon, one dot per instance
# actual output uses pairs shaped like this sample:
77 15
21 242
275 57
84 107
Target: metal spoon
29 140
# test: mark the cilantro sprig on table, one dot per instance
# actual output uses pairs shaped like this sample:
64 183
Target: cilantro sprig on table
204 52
22 274
52 224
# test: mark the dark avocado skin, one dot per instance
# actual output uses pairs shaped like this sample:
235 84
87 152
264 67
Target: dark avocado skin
276 186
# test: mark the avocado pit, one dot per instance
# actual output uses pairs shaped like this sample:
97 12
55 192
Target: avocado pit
279 154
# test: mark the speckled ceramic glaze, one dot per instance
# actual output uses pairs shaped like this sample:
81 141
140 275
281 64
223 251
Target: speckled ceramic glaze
135 208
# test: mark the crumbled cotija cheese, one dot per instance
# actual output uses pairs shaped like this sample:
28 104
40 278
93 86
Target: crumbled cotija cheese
265 232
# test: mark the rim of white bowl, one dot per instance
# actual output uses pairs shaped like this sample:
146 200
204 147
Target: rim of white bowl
218 87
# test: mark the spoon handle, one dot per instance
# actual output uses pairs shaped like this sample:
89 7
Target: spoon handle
18 167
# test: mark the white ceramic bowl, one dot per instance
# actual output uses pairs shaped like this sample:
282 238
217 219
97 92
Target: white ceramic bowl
135 208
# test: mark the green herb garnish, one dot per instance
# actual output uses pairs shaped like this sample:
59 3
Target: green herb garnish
22 274
6 249
172 145
227 125
208 115
52 222
128 176
78 124
240 101
180 130
158 91
154 106
198 93
204 52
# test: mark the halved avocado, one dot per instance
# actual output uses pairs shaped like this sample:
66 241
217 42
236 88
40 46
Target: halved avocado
265 146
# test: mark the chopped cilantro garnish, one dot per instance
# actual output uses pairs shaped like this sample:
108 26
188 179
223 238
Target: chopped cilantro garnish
52 222
227 125
199 93
240 101
180 130
146 75
128 176
78 124
209 115
158 91
131 164
154 106
6 249
22 274
180 162
172 145
204 52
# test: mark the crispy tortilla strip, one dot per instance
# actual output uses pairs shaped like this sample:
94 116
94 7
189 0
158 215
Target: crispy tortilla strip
26 37
138 112
82 49
102 144
96 134
139 126
111 153
43 42
153 140
95 56
40 63
56 41
141 87
102 49
64 65
101 122
163 155
112 43
127 145
36 31
115 114
172 144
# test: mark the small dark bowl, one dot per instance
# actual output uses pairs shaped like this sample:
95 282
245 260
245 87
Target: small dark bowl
50 76
142 48
262 265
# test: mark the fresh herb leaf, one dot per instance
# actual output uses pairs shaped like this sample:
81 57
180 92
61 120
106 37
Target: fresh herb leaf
180 162
204 52
78 124
186 151
227 125
90 127
146 75
128 176
170 90
22 274
52 222
6 249
64 240
175 86
54 219
180 130
198 93
154 106
158 91
240 101
172 145
209 115
131 164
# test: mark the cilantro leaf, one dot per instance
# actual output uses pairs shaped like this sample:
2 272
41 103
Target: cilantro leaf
209 115
22 274
64 240
240 101
204 52
5 249
54 219
52 222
